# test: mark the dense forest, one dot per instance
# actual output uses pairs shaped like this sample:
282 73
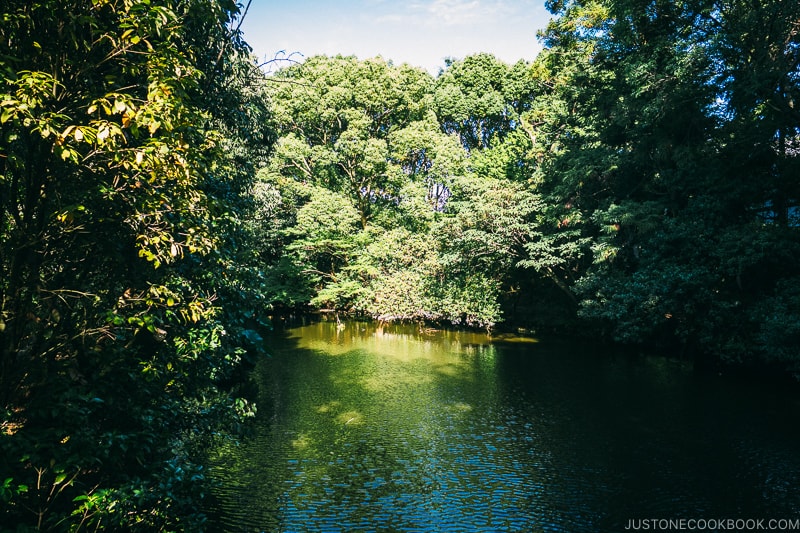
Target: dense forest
161 196
640 178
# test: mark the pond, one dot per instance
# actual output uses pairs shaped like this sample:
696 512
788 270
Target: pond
393 428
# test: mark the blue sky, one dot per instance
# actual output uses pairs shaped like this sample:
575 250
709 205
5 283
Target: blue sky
419 32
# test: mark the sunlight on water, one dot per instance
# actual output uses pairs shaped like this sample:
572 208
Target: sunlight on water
369 428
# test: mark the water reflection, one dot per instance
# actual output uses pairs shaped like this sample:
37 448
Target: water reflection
366 428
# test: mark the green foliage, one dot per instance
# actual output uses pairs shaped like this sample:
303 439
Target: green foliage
380 201
119 199
776 320
678 153
395 270
481 98
338 116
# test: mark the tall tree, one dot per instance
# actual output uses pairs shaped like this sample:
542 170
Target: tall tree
480 98
337 115
677 161
378 150
114 197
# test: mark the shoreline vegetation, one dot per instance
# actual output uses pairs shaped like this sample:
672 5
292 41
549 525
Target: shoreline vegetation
508 332
160 195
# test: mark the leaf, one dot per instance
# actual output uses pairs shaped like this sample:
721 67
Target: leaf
252 336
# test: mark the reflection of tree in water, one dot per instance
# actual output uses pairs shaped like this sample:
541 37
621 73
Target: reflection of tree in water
397 428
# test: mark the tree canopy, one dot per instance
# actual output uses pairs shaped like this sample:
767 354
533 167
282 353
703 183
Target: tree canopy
640 176
384 193
681 167
122 176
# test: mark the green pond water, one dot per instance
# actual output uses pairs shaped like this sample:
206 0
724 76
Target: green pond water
367 428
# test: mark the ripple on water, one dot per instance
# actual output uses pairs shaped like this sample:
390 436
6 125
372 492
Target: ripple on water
506 440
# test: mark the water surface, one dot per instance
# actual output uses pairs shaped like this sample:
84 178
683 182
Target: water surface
367 428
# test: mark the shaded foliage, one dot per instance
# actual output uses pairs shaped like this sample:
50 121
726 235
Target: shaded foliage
681 165
119 196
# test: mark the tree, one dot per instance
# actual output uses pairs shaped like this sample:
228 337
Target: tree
377 148
337 116
115 198
480 98
678 162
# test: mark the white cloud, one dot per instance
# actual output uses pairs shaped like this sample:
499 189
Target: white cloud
449 13
393 18
462 12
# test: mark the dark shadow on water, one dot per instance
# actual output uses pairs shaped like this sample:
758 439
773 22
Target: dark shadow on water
362 428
